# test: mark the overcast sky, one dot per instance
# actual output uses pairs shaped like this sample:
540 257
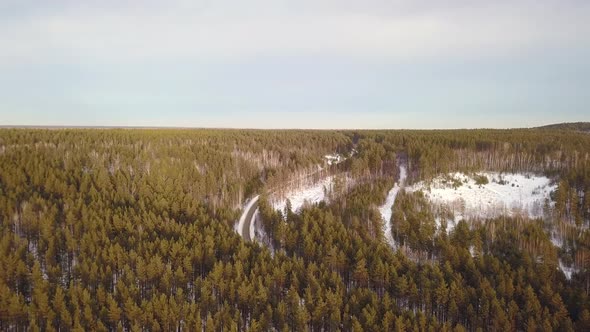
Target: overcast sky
294 64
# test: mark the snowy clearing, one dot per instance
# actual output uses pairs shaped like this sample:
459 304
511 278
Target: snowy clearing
313 193
385 209
503 194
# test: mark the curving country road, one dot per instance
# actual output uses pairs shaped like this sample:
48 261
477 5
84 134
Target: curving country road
245 225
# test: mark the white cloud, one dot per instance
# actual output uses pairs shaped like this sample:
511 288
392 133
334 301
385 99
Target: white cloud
213 30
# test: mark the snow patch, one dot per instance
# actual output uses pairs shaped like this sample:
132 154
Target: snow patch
472 251
568 271
556 240
333 159
450 222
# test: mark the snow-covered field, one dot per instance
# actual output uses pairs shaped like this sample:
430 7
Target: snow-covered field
505 194
385 209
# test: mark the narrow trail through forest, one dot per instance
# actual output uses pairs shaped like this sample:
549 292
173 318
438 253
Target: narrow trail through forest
386 208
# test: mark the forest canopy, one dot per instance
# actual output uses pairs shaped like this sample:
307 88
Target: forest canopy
132 229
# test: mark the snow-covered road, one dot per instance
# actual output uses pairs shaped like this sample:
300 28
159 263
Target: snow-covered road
245 226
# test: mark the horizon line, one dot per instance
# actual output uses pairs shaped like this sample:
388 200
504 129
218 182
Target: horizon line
54 127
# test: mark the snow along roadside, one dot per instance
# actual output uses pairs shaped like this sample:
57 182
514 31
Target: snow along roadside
253 225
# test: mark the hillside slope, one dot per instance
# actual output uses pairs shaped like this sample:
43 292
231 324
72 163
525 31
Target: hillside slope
573 126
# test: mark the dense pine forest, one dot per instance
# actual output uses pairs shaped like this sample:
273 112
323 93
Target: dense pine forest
133 230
